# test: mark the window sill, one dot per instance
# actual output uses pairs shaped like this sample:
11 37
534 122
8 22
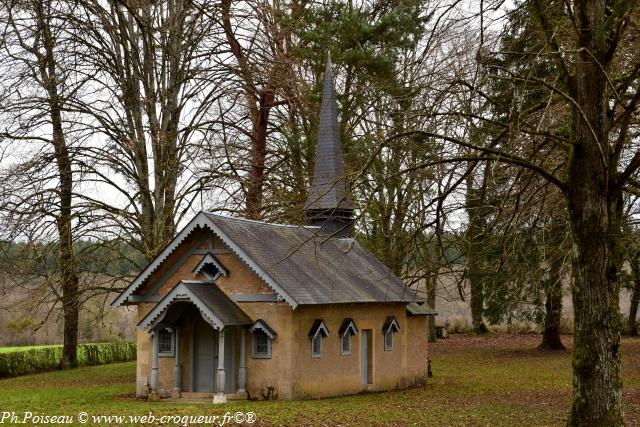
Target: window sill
261 356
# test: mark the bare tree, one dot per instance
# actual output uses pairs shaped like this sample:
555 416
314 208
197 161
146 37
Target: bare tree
597 81
39 78
151 67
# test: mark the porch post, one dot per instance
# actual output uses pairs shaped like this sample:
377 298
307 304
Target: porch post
242 370
154 363
178 369
220 397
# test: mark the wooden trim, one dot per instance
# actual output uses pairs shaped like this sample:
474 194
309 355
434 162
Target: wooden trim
180 292
255 298
201 220
191 355
175 266
201 251
144 298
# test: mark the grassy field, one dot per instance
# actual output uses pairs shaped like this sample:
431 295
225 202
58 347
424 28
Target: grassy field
26 347
500 380
31 347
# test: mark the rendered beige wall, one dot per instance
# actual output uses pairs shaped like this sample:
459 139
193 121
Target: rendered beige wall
276 371
336 374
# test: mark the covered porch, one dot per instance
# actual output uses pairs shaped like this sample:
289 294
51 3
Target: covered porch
198 345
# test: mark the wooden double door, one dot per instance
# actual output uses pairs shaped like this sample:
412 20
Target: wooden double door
205 358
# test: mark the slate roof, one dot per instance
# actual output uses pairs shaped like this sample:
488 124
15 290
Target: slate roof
420 309
219 303
212 302
329 189
311 268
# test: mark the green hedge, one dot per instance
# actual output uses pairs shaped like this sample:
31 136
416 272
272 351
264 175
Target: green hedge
46 359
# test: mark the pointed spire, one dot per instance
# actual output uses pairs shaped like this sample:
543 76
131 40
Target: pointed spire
329 202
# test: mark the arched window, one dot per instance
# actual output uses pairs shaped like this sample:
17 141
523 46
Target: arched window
346 331
317 332
261 338
389 328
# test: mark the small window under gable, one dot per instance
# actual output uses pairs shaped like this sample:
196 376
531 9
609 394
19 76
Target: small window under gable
317 332
389 328
210 267
347 329
166 343
261 337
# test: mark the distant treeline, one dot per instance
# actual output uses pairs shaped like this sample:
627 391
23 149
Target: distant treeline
111 258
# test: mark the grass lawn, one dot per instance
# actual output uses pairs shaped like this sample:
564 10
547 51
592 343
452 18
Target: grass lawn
500 380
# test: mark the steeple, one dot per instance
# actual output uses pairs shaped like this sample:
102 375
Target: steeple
329 202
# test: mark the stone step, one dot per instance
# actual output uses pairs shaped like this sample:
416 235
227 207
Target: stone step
196 395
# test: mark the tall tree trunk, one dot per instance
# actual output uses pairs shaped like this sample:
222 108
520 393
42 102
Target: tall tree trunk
553 287
68 274
70 297
475 199
595 211
633 307
255 186
553 315
597 386
69 277
431 302
259 100
477 306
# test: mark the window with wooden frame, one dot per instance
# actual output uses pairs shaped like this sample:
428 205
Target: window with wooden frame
346 331
316 345
317 332
389 328
166 343
345 344
262 336
261 348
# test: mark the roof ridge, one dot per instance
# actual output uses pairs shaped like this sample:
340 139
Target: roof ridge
255 221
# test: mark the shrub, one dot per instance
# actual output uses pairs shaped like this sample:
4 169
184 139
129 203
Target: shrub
460 326
102 354
519 327
48 358
21 325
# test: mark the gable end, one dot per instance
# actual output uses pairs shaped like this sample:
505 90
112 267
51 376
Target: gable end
201 220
